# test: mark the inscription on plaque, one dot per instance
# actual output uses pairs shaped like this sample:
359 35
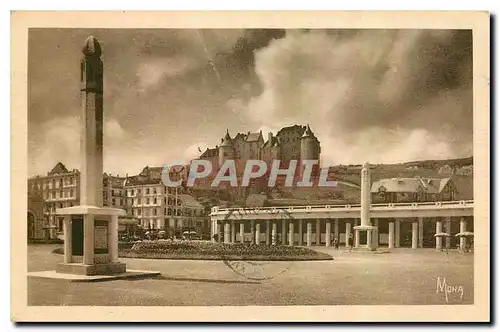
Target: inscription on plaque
100 237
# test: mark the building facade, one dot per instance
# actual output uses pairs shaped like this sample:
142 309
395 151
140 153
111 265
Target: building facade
150 205
60 188
162 208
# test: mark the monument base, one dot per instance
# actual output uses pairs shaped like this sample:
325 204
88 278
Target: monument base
91 270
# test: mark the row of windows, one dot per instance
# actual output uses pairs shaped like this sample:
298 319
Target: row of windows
168 212
61 194
155 201
153 190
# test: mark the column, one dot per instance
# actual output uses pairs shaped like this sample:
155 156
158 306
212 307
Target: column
414 235
398 234
309 231
227 232
463 228
336 228
252 231
220 229
113 239
391 234
447 228
257 233
420 232
301 232
242 232
328 235
291 234
283 232
347 233
88 239
439 229
268 232
356 234
233 232
274 233
375 233
318 232
213 228
67 239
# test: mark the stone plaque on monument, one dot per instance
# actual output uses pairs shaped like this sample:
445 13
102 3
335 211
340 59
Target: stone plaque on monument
101 237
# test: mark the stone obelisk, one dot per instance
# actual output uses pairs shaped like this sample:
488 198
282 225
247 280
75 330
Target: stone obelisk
91 230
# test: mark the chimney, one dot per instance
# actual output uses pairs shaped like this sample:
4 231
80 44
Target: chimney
270 137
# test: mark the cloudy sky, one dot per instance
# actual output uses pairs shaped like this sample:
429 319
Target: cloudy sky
382 96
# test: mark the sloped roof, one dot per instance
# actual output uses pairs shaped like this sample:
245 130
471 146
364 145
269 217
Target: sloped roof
253 137
298 128
274 142
59 168
413 185
210 153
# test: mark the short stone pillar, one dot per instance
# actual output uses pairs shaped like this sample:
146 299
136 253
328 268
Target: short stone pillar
463 228
309 233
318 232
283 232
227 232
291 234
328 235
252 231
391 235
257 233
268 232
420 232
397 238
274 233
414 235
301 232
233 232
242 232
439 239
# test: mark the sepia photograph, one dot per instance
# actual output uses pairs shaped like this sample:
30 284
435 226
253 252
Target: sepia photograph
225 166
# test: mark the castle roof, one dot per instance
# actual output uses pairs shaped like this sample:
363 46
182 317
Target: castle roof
275 141
253 137
292 128
214 152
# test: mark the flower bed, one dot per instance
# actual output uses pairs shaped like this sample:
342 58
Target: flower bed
219 251
204 250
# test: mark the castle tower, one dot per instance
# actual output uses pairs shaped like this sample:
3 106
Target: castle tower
309 149
226 150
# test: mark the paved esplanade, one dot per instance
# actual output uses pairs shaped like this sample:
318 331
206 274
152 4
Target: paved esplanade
287 223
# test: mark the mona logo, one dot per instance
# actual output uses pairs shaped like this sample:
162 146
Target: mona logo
443 287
